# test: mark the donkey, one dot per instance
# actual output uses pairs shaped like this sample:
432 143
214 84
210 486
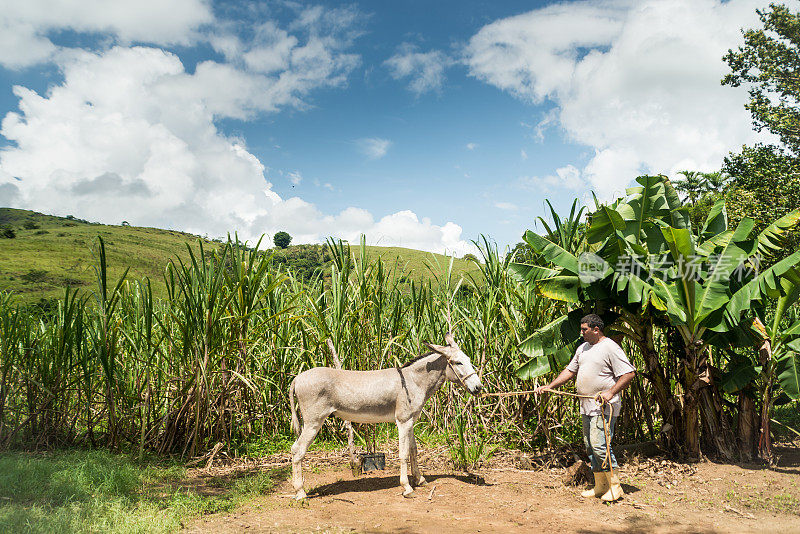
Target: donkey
385 395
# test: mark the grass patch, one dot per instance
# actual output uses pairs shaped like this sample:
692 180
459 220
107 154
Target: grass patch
97 491
781 503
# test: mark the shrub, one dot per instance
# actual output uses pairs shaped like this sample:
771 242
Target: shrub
34 276
30 225
306 261
7 232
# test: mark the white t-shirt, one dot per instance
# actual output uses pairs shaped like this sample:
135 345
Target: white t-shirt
599 366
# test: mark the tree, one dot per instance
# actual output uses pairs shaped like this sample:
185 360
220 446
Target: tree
691 186
769 62
715 182
765 187
282 239
765 181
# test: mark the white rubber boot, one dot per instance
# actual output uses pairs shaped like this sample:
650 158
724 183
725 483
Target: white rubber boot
615 491
600 485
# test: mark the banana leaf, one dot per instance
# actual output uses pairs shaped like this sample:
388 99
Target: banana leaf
563 288
673 299
678 215
548 339
714 293
535 367
767 283
788 372
716 222
740 373
605 222
772 237
523 272
551 252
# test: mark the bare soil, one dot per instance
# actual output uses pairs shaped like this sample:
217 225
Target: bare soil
661 497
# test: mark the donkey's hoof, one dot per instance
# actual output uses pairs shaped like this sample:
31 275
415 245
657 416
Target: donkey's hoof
408 493
421 481
301 495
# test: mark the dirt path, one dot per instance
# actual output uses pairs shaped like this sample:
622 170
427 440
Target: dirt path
661 497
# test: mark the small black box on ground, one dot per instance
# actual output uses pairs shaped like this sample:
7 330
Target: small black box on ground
372 461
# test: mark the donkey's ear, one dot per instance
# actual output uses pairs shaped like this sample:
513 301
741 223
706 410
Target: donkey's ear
434 348
448 337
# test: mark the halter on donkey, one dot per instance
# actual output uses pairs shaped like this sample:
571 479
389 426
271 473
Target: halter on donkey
386 395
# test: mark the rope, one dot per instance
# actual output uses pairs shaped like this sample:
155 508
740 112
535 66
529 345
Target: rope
598 398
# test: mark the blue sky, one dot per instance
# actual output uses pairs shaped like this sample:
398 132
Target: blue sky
420 124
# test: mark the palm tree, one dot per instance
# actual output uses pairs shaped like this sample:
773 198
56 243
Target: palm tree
714 182
692 186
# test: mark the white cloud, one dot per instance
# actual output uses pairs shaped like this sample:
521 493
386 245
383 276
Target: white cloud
295 177
472 146
24 26
373 147
523 154
129 134
426 69
506 206
638 81
404 229
568 177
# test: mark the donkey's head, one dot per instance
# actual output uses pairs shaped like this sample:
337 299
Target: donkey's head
459 367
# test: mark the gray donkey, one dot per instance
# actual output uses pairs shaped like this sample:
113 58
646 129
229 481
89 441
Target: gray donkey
385 395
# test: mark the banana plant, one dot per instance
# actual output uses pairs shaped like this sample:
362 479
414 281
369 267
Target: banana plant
624 237
780 364
650 266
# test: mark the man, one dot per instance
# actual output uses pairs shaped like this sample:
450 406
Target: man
602 371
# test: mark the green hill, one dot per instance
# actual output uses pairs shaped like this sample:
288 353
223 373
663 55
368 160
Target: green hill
49 253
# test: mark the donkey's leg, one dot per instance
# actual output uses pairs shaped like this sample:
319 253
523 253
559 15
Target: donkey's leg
404 428
416 474
310 429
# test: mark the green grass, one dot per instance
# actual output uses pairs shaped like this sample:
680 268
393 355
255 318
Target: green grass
97 491
50 253
750 497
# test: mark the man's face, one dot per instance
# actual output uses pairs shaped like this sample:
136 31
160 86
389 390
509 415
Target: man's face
592 335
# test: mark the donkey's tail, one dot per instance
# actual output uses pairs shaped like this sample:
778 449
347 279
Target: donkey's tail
295 420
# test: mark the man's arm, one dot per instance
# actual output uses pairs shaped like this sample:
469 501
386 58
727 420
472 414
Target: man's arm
564 377
622 382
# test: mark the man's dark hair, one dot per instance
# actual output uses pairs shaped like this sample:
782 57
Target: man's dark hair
593 320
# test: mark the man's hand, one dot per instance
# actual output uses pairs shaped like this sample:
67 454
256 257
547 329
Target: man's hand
560 380
606 395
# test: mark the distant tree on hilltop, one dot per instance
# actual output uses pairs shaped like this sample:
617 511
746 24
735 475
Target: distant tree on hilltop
282 239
